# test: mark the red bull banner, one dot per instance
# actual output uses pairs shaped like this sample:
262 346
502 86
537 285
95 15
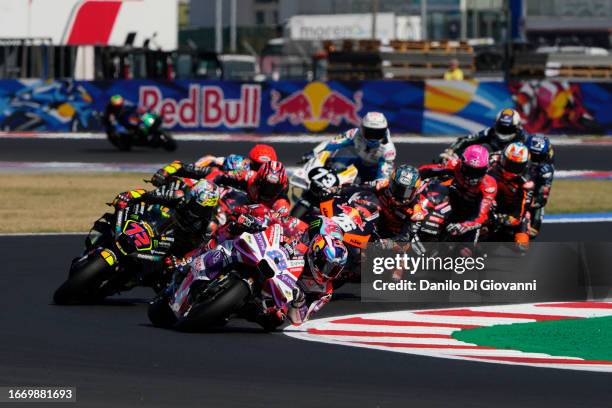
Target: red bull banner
336 106
433 107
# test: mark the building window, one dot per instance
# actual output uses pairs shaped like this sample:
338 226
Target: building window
259 18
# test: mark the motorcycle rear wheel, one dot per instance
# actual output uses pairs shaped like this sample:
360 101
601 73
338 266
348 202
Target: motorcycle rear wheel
83 283
211 311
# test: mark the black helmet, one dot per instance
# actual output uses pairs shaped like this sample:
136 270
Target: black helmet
404 182
507 124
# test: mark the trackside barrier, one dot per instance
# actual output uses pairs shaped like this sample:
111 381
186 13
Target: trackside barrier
427 107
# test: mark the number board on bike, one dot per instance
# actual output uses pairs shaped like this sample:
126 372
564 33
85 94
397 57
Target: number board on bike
323 177
140 234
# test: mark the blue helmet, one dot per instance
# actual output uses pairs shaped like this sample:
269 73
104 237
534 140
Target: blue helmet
540 148
326 257
235 162
404 183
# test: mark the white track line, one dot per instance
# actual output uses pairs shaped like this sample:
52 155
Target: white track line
287 138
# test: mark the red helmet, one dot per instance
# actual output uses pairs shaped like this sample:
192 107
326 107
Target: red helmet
261 153
270 181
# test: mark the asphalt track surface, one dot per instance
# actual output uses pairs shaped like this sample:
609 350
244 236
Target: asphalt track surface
572 157
112 355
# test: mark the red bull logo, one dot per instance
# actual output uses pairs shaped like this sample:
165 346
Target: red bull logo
206 106
354 215
316 107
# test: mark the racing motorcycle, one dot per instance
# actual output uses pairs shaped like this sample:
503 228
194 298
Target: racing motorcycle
145 130
123 250
265 279
319 177
431 214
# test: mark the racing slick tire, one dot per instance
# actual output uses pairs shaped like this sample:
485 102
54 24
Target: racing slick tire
214 309
119 141
160 314
84 282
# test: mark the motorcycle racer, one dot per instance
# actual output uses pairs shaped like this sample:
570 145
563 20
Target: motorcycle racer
515 191
118 112
194 205
325 257
397 198
268 185
541 172
368 147
506 129
472 190
201 168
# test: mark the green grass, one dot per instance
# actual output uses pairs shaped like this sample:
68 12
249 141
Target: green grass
60 202
580 196
590 339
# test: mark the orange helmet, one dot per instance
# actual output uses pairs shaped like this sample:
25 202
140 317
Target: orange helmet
515 160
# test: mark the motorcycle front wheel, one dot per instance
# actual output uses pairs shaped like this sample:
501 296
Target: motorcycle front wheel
160 314
84 282
120 141
228 296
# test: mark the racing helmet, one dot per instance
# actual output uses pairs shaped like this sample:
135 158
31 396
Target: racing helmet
116 101
270 181
540 148
473 166
374 129
515 160
261 153
236 163
201 201
326 257
404 183
507 124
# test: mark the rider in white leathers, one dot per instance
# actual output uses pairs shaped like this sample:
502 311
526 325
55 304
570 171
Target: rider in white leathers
368 147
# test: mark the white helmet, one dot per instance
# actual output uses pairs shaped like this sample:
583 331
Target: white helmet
507 124
374 128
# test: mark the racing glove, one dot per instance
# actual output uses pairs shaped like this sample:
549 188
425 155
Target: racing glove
161 176
448 155
378 184
507 220
460 228
123 199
